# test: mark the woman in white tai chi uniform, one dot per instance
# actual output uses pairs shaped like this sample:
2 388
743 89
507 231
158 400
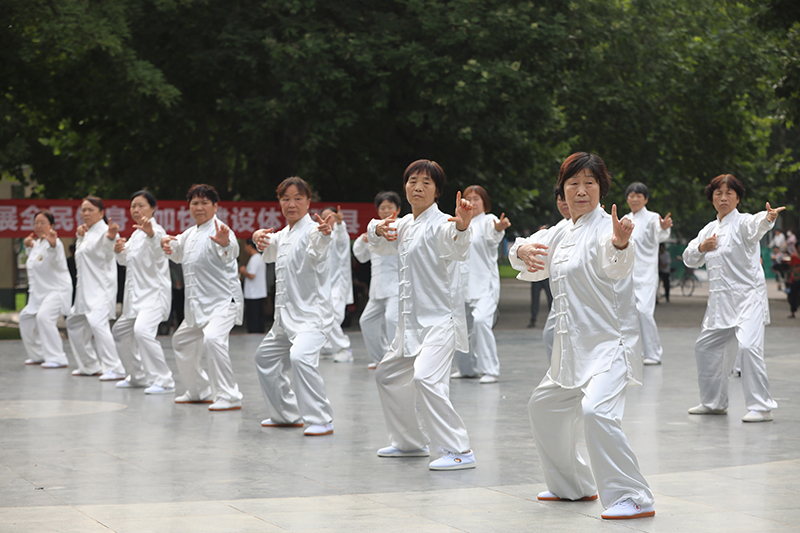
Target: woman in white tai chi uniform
432 324
303 318
341 272
737 308
596 349
49 294
480 279
148 297
379 318
213 304
649 231
95 296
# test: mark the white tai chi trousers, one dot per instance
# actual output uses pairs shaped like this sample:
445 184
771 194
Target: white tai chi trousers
191 342
140 351
651 343
337 339
427 376
555 413
717 349
274 357
482 357
39 331
378 325
81 329
549 333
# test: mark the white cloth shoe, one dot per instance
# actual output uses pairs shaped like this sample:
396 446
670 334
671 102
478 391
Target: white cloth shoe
32 362
223 404
391 451
372 366
188 398
651 362
268 423
318 430
111 376
488 379
125 384
703 410
548 496
158 389
758 416
343 356
627 509
459 375
454 461
52 364
78 373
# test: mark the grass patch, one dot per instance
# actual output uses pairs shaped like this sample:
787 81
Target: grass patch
21 300
507 272
8 334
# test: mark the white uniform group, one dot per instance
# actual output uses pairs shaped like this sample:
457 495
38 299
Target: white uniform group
433 301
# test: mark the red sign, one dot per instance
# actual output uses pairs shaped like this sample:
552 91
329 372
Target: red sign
16 216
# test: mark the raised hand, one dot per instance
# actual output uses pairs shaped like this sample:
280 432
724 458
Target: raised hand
223 235
364 237
29 240
464 213
666 222
338 216
325 226
82 229
529 253
165 244
146 226
261 238
622 229
113 229
772 214
386 228
119 246
708 244
52 237
502 224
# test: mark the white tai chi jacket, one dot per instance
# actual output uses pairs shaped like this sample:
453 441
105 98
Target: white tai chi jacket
341 268
210 274
593 297
97 272
147 281
302 278
431 301
736 283
47 273
383 271
648 234
479 272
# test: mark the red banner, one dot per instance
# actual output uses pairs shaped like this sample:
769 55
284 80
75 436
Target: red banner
16 216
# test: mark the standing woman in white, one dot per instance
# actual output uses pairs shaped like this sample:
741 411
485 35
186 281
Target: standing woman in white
480 279
379 318
649 231
596 349
737 308
341 272
209 253
49 294
148 297
432 324
95 296
303 318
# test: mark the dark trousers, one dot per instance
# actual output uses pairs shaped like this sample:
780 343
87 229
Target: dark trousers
665 281
794 295
536 288
254 314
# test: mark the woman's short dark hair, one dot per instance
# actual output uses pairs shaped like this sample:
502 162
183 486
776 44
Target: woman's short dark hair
585 161
300 183
480 191
426 167
724 179
250 242
47 214
147 196
558 194
328 208
95 201
638 187
203 191
387 195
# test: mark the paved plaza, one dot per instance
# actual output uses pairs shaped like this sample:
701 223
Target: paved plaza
78 455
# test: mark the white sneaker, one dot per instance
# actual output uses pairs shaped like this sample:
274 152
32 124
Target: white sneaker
758 416
53 364
372 366
224 404
627 509
32 362
111 376
186 397
126 384
158 389
269 423
651 362
548 496
703 410
78 373
318 430
391 451
453 461
344 355
459 375
488 379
